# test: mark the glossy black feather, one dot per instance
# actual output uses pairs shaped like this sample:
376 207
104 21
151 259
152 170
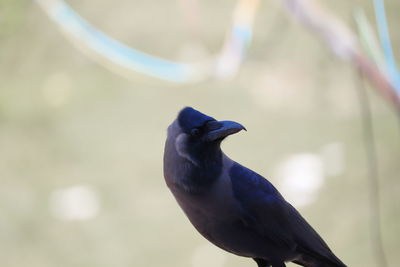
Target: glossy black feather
275 219
190 118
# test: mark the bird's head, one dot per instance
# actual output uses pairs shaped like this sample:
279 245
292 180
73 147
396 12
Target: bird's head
195 134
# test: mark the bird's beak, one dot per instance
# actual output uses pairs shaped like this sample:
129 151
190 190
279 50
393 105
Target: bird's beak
221 129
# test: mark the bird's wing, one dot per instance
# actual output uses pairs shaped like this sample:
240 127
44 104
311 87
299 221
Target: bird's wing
270 215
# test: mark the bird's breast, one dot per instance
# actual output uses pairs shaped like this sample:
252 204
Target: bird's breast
213 209
215 204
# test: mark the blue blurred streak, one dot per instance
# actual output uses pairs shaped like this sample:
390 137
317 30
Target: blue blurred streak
137 61
117 52
386 43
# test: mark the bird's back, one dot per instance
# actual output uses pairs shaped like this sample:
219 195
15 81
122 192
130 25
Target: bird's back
277 220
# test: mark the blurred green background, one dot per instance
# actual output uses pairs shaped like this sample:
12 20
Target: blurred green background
72 129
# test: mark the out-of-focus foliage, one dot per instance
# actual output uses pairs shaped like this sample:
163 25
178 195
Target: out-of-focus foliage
67 123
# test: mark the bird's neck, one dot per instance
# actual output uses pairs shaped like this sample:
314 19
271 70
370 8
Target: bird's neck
201 171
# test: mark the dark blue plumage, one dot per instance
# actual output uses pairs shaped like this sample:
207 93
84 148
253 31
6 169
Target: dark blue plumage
232 206
190 118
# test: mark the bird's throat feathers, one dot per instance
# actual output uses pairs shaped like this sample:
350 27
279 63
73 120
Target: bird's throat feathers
192 169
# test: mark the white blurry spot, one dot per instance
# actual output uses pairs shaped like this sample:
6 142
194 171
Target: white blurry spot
208 255
333 156
56 89
227 64
75 203
300 177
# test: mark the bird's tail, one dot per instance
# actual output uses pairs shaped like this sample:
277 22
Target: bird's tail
312 259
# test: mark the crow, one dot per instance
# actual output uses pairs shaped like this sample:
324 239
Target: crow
232 206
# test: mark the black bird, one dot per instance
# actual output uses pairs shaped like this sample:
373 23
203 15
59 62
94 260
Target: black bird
232 206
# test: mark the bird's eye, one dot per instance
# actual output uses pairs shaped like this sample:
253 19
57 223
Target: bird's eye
194 132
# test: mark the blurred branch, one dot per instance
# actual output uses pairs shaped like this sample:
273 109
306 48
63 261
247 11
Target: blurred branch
343 42
373 174
368 39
